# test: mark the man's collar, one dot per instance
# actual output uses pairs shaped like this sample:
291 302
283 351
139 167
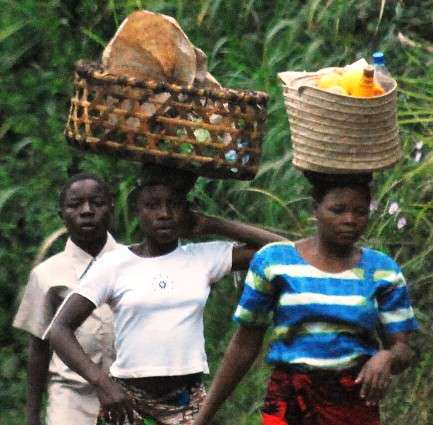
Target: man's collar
75 251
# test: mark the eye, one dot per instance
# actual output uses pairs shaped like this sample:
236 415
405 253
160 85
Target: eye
338 209
72 204
177 203
361 211
99 202
150 205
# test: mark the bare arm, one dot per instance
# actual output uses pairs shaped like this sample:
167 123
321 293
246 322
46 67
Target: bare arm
252 236
376 374
37 374
62 338
402 354
243 349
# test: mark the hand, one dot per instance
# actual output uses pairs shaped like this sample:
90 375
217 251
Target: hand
115 403
375 377
196 224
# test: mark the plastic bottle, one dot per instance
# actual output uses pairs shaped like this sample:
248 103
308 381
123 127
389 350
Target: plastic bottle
368 87
379 65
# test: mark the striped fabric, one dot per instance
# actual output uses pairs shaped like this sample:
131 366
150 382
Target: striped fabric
319 319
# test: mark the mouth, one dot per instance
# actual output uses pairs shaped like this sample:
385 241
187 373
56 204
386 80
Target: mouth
87 226
165 229
348 235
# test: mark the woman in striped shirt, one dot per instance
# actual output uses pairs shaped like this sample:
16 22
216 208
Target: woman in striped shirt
327 301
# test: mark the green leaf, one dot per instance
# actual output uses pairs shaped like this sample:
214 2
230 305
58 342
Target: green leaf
95 37
11 30
6 195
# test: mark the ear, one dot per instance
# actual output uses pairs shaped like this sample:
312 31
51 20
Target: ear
315 208
60 214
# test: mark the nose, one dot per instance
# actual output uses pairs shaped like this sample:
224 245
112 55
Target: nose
349 218
87 208
165 210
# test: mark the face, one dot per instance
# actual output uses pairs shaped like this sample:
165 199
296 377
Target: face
86 210
162 212
343 215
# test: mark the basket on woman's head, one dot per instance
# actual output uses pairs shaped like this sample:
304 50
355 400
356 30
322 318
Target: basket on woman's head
159 115
336 133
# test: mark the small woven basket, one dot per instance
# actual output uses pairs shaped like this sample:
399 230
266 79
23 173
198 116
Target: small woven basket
214 133
333 133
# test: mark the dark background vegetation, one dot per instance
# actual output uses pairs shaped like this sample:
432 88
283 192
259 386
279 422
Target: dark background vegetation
247 42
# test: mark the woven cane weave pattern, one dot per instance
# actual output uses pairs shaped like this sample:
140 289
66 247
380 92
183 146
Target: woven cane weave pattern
216 133
332 133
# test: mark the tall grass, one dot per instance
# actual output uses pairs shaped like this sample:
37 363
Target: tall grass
248 43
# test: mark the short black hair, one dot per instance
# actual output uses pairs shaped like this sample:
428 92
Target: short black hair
84 176
322 183
153 175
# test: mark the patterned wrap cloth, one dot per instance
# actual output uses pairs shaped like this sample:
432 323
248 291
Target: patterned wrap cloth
177 407
316 398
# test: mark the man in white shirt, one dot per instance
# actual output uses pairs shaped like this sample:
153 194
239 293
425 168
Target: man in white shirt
86 206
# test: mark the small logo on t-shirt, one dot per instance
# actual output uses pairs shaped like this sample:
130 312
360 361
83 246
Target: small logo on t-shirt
162 283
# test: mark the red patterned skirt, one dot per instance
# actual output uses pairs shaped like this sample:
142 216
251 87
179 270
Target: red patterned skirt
316 398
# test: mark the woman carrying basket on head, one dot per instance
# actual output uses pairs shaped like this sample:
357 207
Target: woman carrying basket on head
157 290
326 298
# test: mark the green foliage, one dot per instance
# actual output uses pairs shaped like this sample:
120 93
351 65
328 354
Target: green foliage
248 43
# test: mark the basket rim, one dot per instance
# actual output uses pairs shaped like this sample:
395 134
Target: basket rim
362 168
296 85
96 71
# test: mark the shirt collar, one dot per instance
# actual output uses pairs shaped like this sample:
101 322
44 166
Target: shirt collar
82 258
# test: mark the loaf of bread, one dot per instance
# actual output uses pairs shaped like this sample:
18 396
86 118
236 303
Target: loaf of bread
153 46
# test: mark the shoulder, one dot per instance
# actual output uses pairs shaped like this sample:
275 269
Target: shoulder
205 248
277 251
384 269
115 258
272 255
379 260
50 267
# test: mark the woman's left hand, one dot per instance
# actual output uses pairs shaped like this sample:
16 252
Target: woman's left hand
196 224
375 377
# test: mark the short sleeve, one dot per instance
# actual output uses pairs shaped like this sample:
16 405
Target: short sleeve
395 309
97 284
217 258
257 301
35 310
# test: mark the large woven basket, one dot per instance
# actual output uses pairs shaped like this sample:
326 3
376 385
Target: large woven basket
333 133
215 133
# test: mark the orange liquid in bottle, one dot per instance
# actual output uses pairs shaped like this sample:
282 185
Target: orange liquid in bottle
367 86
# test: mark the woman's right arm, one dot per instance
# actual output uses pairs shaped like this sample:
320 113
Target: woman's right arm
72 314
243 349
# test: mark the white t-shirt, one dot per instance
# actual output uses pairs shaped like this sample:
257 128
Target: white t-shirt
158 305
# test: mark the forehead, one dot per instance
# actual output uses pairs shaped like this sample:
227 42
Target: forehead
85 188
359 194
160 191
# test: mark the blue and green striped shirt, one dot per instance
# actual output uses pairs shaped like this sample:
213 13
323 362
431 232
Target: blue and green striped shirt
324 320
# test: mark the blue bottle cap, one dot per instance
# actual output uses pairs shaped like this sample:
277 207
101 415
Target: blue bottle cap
378 58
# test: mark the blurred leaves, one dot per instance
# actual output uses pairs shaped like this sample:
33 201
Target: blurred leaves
248 43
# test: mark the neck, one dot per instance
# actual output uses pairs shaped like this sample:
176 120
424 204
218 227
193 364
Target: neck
93 247
151 248
332 251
